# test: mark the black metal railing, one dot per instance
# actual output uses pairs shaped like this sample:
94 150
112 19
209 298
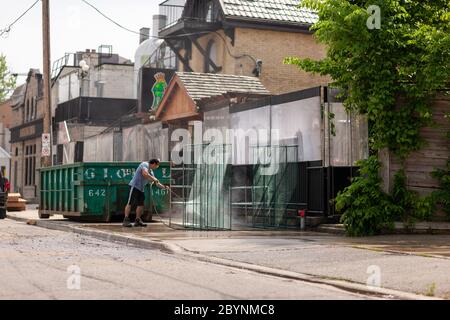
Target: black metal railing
69 60
173 10
198 10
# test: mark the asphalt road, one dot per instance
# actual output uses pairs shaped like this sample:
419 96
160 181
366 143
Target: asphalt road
38 263
334 258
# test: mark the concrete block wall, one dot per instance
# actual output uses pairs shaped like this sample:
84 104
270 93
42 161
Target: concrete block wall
118 81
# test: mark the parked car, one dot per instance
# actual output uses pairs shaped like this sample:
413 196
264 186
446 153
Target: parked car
4 189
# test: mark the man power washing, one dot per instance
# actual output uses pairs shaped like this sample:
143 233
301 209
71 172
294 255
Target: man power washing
144 174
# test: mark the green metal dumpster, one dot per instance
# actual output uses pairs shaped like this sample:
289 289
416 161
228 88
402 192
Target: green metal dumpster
97 191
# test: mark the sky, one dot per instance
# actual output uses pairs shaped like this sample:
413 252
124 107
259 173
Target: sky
74 27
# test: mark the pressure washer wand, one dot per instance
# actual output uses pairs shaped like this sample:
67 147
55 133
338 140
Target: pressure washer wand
173 192
159 216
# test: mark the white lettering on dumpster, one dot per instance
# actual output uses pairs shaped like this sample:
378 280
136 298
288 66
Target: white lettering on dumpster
123 173
89 174
97 193
159 192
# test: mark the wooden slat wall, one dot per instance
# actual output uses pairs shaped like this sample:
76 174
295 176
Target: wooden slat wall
421 164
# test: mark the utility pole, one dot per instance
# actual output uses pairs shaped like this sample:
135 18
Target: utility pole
46 138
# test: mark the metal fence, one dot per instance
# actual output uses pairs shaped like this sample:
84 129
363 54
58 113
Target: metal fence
206 187
173 10
276 185
215 195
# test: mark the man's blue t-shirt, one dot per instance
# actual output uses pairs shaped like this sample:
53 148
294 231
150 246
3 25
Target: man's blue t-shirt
138 181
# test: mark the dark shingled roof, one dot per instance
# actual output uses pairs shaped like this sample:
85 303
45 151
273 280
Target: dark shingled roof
278 11
208 85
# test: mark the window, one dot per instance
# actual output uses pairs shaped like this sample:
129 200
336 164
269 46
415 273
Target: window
30 165
27 110
27 169
34 109
31 109
209 14
211 51
33 173
15 176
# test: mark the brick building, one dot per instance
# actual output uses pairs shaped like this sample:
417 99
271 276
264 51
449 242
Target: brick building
244 37
6 113
5 108
26 131
5 136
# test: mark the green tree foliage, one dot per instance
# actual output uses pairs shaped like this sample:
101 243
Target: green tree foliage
408 57
7 81
411 207
389 74
367 209
442 196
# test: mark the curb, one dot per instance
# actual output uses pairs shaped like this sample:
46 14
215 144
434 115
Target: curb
418 229
101 235
353 287
348 286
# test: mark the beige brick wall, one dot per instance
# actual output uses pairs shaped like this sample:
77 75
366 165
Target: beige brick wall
271 47
6 114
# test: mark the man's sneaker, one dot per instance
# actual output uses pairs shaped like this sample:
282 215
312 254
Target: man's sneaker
139 223
127 223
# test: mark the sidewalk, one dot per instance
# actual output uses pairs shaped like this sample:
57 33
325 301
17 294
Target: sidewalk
418 264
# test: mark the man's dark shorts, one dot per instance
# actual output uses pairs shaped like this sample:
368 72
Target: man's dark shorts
136 198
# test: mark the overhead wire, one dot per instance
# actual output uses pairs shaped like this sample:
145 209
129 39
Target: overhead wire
137 32
7 30
171 37
113 125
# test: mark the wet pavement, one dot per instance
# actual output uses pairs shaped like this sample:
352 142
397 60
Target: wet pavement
38 263
410 263
421 245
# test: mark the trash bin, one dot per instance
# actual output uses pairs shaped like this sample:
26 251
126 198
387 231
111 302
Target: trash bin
97 191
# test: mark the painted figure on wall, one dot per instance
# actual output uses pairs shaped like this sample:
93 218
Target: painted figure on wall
158 90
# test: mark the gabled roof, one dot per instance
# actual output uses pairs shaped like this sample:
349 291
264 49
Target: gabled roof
188 92
18 95
4 154
202 86
277 11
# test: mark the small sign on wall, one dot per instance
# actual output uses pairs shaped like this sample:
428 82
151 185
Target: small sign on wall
46 145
